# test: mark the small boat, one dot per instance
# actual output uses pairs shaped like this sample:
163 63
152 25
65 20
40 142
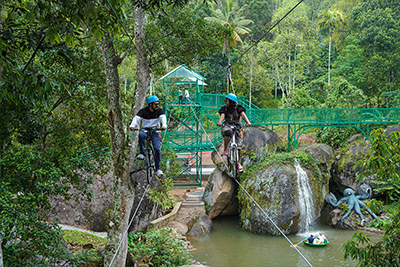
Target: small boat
305 241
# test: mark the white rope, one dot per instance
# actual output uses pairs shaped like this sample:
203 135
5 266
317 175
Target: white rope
273 223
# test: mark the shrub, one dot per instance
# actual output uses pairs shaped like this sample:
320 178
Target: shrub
157 247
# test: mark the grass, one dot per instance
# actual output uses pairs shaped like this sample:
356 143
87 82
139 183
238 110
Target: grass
78 238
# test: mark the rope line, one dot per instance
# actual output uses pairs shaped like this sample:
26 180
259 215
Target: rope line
125 233
254 201
269 30
259 39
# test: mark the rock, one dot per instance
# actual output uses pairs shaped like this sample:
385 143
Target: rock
93 215
352 222
391 129
355 138
220 192
89 215
148 210
275 189
203 226
180 228
260 143
344 173
220 195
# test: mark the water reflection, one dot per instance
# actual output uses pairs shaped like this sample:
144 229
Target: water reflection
229 246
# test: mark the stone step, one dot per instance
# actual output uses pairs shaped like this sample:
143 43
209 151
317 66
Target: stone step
192 204
193 198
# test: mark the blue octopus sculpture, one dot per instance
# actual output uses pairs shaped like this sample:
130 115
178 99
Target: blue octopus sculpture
354 202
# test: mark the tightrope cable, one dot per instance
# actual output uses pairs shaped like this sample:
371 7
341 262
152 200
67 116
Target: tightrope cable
259 39
254 201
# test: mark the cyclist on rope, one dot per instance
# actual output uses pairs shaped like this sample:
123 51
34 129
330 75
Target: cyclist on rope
151 116
231 113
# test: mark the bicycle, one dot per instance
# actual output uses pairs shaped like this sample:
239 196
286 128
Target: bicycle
232 150
149 153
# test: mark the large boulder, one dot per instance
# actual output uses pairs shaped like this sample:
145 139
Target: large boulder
202 226
93 214
221 189
275 188
220 195
82 212
344 170
148 209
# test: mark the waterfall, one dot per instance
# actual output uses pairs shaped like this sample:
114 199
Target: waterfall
306 204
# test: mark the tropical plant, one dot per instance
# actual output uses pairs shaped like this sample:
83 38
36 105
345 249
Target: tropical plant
383 161
228 13
331 19
157 247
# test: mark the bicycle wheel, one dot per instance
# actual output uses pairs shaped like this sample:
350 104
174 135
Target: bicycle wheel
235 161
152 165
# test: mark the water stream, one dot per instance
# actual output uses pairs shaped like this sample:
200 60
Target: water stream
306 203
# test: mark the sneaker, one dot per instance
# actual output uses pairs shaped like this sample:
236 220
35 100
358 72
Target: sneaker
140 156
223 153
159 173
240 167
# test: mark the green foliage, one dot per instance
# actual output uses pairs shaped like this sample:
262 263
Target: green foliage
344 95
157 247
162 196
383 253
383 160
376 25
78 238
177 35
336 137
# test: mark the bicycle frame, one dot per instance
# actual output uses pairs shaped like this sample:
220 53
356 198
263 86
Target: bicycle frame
232 151
149 153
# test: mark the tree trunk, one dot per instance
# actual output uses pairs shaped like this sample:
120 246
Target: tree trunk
1 252
123 154
251 77
329 60
1 63
122 191
142 68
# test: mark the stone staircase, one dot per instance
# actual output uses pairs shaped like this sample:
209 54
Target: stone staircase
193 200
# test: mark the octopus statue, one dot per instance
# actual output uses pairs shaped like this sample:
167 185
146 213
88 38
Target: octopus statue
354 202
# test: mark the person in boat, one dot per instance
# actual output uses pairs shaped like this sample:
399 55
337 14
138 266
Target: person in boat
232 112
321 238
310 239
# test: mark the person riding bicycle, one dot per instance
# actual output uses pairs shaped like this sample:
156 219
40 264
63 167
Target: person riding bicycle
231 113
151 116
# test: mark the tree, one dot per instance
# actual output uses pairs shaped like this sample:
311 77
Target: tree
376 26
228 13
331 19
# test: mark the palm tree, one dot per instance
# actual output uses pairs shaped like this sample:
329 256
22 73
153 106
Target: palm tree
331 19
228 13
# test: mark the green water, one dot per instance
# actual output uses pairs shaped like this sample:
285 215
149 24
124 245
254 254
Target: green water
230 246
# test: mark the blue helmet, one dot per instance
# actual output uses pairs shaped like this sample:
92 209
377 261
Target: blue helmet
232 97
152 99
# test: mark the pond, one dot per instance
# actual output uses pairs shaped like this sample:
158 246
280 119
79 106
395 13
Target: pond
228 245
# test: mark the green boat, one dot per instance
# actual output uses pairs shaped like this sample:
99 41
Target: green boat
305 241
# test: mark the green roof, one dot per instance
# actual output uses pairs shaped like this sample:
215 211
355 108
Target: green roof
183 72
